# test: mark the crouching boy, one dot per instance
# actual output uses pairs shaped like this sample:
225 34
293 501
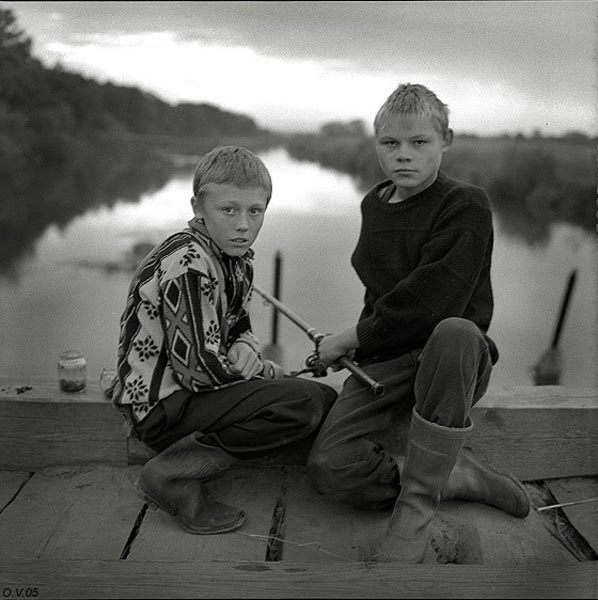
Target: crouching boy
191 381
424 256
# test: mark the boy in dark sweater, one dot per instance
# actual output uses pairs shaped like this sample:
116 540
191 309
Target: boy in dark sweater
424 257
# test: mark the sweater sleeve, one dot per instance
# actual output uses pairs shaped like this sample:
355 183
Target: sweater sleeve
439 287
241 332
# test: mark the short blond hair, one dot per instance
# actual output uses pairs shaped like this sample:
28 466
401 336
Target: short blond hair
234 165
415 100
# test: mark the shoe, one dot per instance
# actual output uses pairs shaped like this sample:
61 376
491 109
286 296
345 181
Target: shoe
173 482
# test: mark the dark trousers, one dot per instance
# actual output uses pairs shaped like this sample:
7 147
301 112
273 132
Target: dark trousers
246 419
352 457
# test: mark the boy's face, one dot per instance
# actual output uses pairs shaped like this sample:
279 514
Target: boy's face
410 151
232 216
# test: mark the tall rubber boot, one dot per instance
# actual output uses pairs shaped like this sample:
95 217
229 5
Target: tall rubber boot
475 481
432 451
172 481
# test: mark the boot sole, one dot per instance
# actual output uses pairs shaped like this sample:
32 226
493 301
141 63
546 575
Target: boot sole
155 504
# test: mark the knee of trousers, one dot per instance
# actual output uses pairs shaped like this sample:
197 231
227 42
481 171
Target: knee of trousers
333 470
455 334
310 404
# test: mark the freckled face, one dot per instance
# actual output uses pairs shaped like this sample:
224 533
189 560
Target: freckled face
233 217
409 151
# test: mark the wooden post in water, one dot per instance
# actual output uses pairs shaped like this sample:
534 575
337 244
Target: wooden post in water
548 369
274 351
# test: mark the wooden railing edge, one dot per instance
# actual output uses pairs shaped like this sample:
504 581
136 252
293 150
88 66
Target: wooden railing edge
539 432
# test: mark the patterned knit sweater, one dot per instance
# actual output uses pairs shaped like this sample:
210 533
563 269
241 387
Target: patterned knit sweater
186 307
422 260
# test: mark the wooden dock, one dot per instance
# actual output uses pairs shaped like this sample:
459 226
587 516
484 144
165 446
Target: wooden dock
71 525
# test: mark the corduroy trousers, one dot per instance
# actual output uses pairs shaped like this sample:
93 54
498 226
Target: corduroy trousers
353 457
246 419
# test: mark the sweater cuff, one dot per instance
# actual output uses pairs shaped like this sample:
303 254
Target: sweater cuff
272 370
248 338
369 338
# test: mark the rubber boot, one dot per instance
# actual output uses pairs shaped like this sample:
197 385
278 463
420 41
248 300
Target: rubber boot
172 481
472 480
432 451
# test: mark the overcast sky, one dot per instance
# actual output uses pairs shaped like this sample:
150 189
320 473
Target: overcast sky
500 66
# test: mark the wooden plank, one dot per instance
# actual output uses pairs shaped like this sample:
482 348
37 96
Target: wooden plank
319 530
539 432
192 579
68 513
41 426
10 483
255 490
584 517
507 540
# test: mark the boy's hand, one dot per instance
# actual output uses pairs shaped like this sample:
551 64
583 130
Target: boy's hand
272 370
244 361
332 347
336 366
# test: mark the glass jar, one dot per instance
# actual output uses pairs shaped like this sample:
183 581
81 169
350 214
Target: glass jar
72 375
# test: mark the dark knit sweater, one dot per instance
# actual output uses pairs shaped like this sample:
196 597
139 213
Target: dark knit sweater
422 260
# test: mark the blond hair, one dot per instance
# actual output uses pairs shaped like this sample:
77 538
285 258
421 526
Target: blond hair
414 100
234 165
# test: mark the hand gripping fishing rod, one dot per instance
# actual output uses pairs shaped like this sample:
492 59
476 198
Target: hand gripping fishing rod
316 337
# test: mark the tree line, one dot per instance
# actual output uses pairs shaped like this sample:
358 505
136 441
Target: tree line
532 181
48 115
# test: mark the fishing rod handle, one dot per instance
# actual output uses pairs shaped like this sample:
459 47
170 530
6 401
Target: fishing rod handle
347 363
375 386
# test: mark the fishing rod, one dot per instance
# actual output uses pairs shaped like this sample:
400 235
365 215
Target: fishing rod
316 337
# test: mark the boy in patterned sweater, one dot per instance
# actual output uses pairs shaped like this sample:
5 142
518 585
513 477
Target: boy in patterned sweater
424 257
191 381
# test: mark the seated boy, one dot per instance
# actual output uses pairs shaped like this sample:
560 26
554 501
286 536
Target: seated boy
424 256
191 381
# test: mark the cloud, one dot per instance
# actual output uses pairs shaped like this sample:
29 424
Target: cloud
499 65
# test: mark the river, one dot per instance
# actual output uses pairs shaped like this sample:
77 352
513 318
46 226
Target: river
68 292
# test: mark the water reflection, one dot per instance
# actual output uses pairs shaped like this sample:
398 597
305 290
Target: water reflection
90 226
33 200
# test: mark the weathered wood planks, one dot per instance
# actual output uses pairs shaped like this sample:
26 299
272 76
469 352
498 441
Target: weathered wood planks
254 490
10 483
584 517
537 432
41 426
317 530
506 540
192 579
70 513
66 528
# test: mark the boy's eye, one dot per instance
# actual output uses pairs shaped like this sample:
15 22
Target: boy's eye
256 211
228 210
390 143
419 142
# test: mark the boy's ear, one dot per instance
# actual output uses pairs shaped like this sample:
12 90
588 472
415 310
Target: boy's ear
448 139
195 205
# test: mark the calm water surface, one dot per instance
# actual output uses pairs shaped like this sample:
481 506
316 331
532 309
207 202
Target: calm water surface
68 294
